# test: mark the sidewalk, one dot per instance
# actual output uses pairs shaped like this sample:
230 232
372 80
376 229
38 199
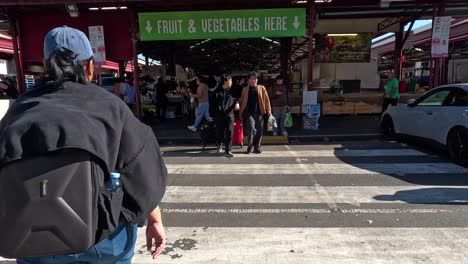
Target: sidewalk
331 129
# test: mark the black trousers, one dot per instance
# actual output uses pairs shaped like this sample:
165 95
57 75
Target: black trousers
387 102
161 109
255 123
224 130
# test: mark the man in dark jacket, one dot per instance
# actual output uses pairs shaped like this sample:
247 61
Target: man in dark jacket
222 109
66 111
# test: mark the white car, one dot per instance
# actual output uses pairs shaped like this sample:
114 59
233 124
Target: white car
440 116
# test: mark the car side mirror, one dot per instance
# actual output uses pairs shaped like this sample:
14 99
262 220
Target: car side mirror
411 102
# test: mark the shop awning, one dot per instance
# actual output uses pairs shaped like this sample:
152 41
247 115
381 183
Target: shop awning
116 32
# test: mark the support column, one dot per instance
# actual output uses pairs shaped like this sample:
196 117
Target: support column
121 69
285 52
310 32
136 74
442 61
14 32
405 37
437 75
398 51
172 63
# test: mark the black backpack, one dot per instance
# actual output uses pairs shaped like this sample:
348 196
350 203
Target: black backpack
55 204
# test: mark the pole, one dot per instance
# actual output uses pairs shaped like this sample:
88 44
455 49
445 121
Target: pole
442 61
310 25
432 68
121 69
20 84
136 77
403 42
172 62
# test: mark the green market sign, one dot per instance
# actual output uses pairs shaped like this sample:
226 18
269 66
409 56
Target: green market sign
286 22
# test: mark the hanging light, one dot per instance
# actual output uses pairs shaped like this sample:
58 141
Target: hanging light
72 10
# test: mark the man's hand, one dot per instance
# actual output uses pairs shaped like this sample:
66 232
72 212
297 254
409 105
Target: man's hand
155 231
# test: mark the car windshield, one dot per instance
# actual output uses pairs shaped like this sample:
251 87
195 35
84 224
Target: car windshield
436 99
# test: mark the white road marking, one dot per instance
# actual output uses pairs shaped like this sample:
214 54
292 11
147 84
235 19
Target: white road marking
310 245
307 211
303 194
316 169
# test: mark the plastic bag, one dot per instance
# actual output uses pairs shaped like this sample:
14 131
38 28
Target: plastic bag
288 120
271 123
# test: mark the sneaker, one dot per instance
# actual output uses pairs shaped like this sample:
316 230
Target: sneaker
285 133
275 134
228 154
258 151
219 149
192 128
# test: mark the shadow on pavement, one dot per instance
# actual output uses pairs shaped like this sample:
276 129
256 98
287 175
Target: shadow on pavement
449 196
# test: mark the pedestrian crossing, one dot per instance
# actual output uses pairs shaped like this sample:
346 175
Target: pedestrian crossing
381 203
361 202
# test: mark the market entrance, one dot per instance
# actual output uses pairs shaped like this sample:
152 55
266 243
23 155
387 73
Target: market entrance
213 43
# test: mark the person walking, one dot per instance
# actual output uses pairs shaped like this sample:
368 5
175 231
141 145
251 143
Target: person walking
255 104
162 101
279 103
222 110
392 93
203 105
129 93
66 111
118 86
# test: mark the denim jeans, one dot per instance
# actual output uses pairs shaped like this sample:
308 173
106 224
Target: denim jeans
203 111
280 114
118 248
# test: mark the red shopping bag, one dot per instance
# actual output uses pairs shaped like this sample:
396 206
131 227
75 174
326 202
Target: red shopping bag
238 135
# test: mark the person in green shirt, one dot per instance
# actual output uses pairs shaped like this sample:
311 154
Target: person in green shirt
392 92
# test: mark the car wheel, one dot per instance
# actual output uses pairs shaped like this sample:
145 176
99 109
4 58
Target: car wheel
457 146
388 129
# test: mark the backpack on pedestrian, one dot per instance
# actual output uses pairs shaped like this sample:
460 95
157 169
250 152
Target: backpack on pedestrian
55 204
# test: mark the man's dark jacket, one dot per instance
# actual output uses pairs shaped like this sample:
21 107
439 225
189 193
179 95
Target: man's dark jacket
85 116
223 103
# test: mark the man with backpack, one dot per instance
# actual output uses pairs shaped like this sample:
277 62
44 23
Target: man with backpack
66 114
222 110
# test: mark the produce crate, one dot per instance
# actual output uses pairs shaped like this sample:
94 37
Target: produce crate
338 108
363 108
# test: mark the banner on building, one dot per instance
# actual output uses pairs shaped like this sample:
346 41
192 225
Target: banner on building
343 48
440 37
223 24
96 38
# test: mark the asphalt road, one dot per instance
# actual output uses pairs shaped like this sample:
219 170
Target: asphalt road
347 202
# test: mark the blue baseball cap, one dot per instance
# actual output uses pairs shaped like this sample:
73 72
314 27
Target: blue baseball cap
68 38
